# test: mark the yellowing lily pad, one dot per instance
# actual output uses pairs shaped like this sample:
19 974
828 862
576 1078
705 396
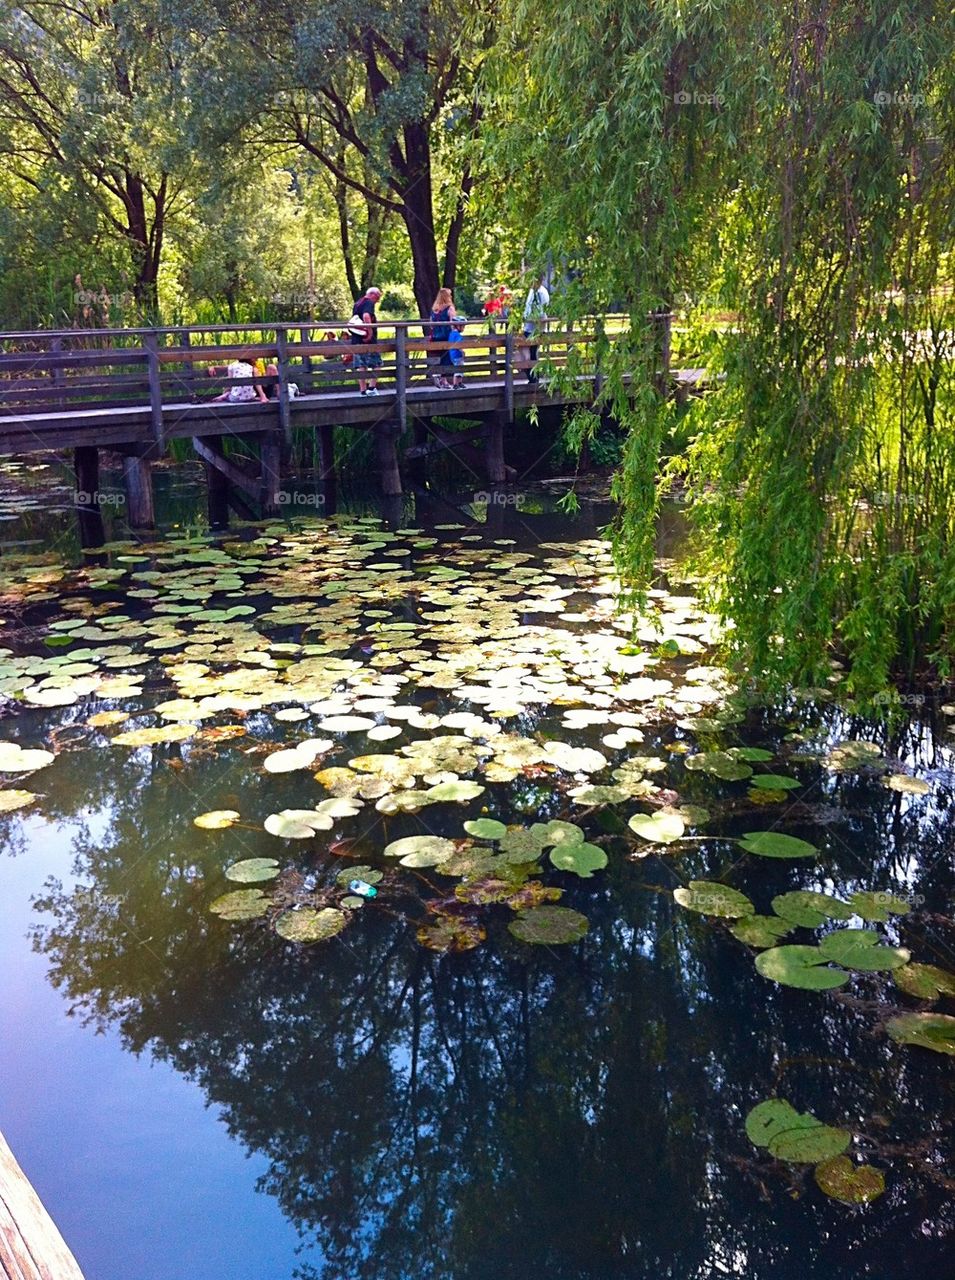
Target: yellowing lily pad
849 1183
10 800
161 734
216 819
308 924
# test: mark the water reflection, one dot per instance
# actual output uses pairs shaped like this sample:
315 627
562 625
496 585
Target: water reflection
518 1112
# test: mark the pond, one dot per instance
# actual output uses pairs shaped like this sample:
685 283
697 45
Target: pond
378 902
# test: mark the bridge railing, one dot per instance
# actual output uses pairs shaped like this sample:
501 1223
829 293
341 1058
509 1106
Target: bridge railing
62 371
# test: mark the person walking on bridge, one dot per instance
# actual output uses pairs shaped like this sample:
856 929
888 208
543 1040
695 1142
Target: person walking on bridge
535 312
362 331
444 321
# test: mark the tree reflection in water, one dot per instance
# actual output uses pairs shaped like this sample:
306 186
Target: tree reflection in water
573 1113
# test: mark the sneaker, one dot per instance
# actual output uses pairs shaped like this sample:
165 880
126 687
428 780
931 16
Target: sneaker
372 391
437 380
363 393
458 380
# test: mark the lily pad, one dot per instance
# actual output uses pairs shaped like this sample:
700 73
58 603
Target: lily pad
359 871
251 870
241 904
720 764
877 906
809 1142
761 931
156 736
861 949
452 933
906 783
288 827
557 832
579 857
849 1183
769 1118
216 819
773 844
775 782
549 926
459 792
420 851
710 898
485 829
662 827
803 967
924 981
307 924
810 909
927 1030
13 799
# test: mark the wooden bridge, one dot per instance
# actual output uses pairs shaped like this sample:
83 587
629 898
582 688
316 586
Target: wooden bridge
132 391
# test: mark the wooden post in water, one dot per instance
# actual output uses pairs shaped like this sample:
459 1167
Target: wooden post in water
89 511
138 479
494 447
401 375
151 343
509 376
285 412
326 467
31 1247
386 451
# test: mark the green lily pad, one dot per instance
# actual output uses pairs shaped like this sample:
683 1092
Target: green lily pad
579 857
924 981
803 967
485 829
927 1030
775 782
773 844
720 764
769 1118
877 906
557 832
460 792
250 870
810 909
809 1143
761 931
755 755
359 871
710 898
452 933
549 925
861 949
308 924
521 844
420 851
241 904
288 827
662 827
849 1183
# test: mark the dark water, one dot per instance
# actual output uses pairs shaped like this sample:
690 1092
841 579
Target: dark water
367 1108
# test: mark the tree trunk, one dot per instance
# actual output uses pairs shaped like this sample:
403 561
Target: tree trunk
453 243
418 215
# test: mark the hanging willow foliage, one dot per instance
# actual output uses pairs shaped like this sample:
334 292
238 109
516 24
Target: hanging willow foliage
789 168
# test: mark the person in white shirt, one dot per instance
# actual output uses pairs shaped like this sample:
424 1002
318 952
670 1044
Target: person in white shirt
535 311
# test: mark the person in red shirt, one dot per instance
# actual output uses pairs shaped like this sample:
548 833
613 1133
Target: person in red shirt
497 304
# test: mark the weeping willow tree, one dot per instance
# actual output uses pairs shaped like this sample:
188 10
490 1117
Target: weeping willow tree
791 166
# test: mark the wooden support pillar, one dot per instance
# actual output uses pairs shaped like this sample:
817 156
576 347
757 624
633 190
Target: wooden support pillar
138 479
494 447
89 510
31 1247
270 473
509 376
386 451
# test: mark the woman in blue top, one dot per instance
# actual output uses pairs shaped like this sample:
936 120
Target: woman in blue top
443 320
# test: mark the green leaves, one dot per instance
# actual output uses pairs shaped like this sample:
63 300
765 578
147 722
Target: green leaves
934 1031
761 931
549 926
710 898
797 966
251 870
861 949
808 908
773 844
241 904
420 851
924 981
800 1138
662 827
308 924
875 905
579 857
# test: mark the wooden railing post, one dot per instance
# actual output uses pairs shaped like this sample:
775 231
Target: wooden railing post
305 337
285 414
56 346
151 345
492 328
401 373
509 375
189 374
